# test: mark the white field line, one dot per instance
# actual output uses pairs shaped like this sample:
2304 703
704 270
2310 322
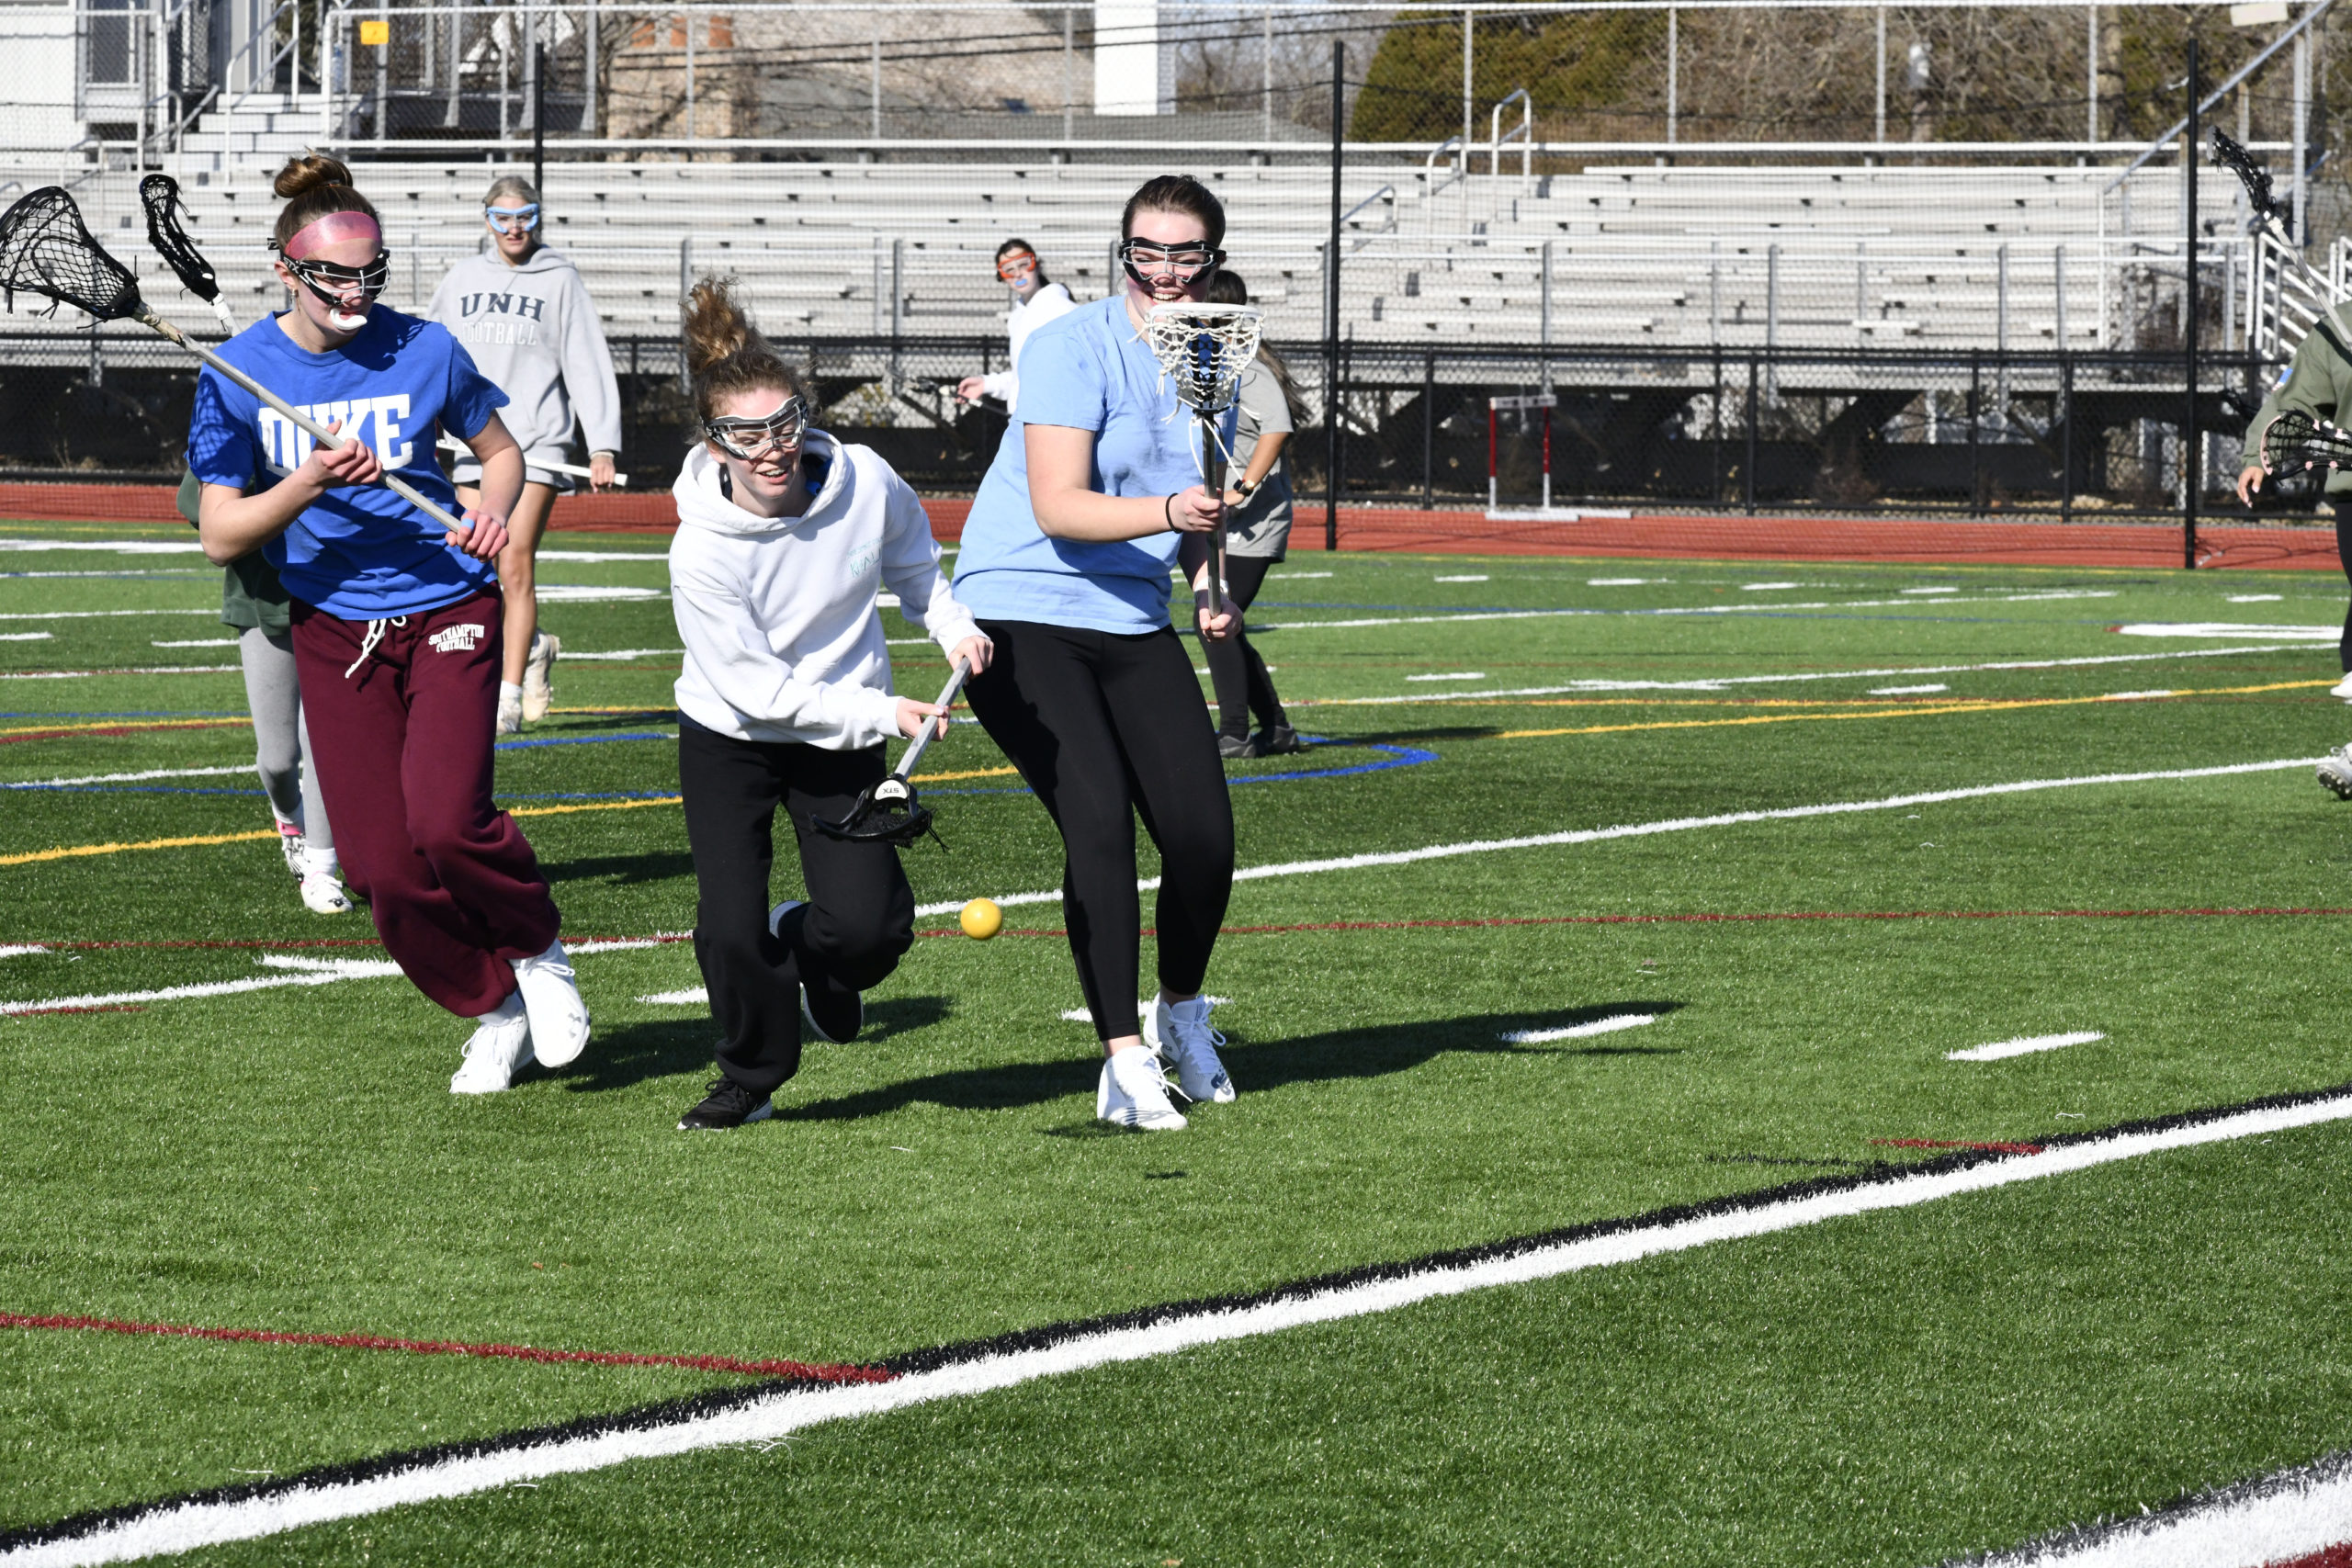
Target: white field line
2023 1046
625 945
1460 675
642 558
1907 690
310 973
18 950
1610 1025
128 778
153 642
2272 1526
98 614
1449 619
2222 629
1671 825
122 670
2257 598
1719 682
197 1525
696 995
103 547
31 637
1080 1015
626 653
583 593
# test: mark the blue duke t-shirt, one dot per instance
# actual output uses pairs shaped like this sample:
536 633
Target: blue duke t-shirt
1088 370
359 552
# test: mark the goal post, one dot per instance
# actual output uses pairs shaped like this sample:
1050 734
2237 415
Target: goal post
1519 453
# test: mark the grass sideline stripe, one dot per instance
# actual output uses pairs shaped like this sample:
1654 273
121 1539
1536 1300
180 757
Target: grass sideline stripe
2300 1518
769 1412
798 1371
2023 1046
1668 825
1608 1025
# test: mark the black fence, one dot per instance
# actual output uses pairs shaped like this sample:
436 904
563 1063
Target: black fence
1721 429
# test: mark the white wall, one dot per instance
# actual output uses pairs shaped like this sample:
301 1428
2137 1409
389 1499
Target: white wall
37 88
1132 74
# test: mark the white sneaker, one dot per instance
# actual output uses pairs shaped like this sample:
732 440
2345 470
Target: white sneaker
324 894
509 711
500 1048
291 845
2335 772
851 1019
551 997
537 694
2342 689
1131 1093
1182 1035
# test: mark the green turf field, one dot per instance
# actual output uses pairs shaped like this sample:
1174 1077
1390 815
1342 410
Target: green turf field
1888 1389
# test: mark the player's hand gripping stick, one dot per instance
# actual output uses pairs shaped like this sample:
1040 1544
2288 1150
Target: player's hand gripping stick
888 813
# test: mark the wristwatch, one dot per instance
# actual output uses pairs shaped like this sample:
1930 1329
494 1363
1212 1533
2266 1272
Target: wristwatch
1244 489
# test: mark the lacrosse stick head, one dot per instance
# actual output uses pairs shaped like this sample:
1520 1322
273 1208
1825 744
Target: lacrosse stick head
46 249
159 195
1203 349
2232 155
2296 443
884 813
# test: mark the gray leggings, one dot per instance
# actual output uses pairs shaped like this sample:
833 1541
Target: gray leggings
281 734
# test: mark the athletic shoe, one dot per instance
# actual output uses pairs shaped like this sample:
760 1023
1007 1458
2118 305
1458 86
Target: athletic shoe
551 996
509 711
323 895
500 1048
537 693
2335 772
1131 1093
291 845
1182 1036
1278 740
1231 747
843 1015
2342 688
728 1104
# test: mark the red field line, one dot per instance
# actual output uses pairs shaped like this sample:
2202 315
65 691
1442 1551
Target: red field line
1662 535
1950 1144
812 1371
2337 1556
1705 918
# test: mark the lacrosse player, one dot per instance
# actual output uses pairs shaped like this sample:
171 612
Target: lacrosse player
785 535
395 620
522 312
1034 302
1065 561
2318 380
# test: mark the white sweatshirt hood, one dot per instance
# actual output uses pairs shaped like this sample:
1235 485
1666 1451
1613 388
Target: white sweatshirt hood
780 615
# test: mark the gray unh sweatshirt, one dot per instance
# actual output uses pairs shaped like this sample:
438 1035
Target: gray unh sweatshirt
532 331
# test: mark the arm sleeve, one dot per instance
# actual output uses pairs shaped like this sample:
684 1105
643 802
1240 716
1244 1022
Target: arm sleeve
470 399
1062 381
911 567
732 653
221 447
997 383
2308 385
588 372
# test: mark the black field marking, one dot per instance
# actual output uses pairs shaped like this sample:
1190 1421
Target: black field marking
2059 1545
1050 1335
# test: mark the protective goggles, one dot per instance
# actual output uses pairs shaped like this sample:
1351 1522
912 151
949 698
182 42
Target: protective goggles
1185 264
1017 266
334 284
512 219
751 439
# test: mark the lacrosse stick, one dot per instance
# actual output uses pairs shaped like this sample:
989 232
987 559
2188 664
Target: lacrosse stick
46 250
888 813
2232 156
159 195
2296 443
1205 349
451 444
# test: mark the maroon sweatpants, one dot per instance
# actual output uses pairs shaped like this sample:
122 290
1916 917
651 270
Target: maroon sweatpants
402 746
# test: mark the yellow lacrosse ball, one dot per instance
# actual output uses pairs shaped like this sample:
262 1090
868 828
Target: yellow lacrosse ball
981 918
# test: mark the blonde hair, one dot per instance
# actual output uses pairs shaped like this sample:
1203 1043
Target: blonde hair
725 353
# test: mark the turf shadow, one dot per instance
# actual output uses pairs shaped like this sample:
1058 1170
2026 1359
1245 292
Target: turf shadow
1373 1052
618 1058
624 871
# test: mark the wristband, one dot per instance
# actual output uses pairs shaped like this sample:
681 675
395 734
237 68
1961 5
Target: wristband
1167 511
1244 489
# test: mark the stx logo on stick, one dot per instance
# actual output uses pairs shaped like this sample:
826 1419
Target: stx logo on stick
376 420
461 638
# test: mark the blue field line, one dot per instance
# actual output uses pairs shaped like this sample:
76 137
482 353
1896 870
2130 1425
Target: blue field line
173 713
584 740
1395 757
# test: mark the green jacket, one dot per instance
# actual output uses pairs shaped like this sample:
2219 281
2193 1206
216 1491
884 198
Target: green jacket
2318 380
250 594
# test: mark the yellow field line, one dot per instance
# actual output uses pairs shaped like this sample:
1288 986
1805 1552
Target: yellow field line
592 805
973 774
1917 711
61 729
72 851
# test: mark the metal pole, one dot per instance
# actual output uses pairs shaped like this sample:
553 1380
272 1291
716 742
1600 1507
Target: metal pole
1544 319
2058 265
1976 403
589 123
1429 425
1881 75
1673 72
1469 31
873 89
685 287
2066 437
1069 73
1266 88
2090 74
539 114
1331 297
2300 227
693 129
1748 470
2188 440
383 74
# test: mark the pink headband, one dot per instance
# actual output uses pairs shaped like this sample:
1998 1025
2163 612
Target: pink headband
330 230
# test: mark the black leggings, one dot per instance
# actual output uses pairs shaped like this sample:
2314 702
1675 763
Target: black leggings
1243 687
1106 729
860 918
2343 556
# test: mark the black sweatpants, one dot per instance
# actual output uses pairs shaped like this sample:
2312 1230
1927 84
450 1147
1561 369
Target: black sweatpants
860 917
2344 556
1243 687
1105 729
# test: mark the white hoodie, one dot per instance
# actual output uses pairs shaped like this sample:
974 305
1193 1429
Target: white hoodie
532 331
1026 317
784 639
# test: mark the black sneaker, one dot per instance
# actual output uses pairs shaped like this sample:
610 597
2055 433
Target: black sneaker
728 1104
1237 746
1278 740
834 1016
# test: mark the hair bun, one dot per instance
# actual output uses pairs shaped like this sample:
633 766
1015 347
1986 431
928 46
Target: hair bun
311 171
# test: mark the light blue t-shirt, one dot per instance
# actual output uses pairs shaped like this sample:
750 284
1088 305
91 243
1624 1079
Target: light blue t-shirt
1087 370
359 552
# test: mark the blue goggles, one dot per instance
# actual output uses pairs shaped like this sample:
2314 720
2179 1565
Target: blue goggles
512 219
